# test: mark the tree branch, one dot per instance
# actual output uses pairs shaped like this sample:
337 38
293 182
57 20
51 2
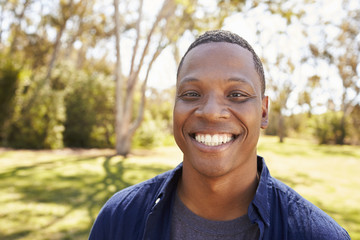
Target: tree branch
167 8
138 36
140 114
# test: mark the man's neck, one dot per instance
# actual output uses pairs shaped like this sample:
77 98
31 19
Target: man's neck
222 198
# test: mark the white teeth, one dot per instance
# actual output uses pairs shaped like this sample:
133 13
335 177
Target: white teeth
221 138
213 140
208 138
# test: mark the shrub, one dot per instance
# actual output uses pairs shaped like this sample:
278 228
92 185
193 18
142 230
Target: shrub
89 113
328 128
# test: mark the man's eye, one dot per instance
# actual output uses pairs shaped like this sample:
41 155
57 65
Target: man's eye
189 95
236 95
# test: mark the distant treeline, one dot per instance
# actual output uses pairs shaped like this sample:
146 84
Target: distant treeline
76 113
80 113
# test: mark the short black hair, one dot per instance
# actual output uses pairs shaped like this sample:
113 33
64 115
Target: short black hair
227 36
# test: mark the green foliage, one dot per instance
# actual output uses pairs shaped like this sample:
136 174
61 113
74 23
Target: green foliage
328 128
75 102
38 114
152 133
9 81
76 109
41 125
298 125
273 127
157 124
354 130
89 113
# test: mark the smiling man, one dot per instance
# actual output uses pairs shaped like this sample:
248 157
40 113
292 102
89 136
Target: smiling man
223 189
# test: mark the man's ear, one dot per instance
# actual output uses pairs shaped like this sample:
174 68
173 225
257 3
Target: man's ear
265 112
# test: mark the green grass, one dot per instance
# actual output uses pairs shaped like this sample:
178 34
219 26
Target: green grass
57 194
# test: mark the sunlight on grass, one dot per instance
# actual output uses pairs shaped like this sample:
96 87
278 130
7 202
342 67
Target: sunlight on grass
58 194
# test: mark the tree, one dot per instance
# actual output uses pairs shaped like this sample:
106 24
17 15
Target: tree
305 97
59 22
280 64
148 45
118 85
280 70
171 21
342 52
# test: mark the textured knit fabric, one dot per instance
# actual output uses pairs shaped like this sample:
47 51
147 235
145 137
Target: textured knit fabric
187 225
143 211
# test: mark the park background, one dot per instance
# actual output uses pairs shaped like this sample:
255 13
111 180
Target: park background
87 91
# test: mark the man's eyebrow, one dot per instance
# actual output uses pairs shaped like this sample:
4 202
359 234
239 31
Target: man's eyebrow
236 79
242 81
232 79
187 80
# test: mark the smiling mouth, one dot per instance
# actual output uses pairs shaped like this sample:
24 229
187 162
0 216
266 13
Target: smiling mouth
213 140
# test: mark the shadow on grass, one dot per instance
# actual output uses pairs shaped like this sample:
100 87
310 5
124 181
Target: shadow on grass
297 179
79 188
336 152
15 235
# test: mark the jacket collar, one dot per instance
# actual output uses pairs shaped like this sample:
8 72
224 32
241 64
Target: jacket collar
169 185
260 206
159 212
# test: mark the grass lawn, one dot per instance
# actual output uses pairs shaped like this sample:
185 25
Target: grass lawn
57 194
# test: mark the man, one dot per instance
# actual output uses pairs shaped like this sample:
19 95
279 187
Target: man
222 190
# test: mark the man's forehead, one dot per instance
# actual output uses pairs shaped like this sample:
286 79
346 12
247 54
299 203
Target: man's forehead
215 54
217 46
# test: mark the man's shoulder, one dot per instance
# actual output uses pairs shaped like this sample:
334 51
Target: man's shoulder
125 212
304 217
139 193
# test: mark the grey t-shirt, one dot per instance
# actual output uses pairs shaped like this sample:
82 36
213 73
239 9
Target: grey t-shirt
187 225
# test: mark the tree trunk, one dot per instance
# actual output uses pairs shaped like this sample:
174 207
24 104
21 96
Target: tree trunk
122 143
346 111
126 122
341 139
55 53
281 130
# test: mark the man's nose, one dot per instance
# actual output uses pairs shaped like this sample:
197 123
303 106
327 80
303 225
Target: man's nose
213 108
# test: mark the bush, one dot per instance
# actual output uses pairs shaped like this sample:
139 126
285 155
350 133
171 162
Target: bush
40 126
89 113
328 128
151 133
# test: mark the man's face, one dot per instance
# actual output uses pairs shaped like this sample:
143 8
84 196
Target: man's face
219 109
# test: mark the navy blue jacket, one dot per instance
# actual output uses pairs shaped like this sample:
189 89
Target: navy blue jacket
143 211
